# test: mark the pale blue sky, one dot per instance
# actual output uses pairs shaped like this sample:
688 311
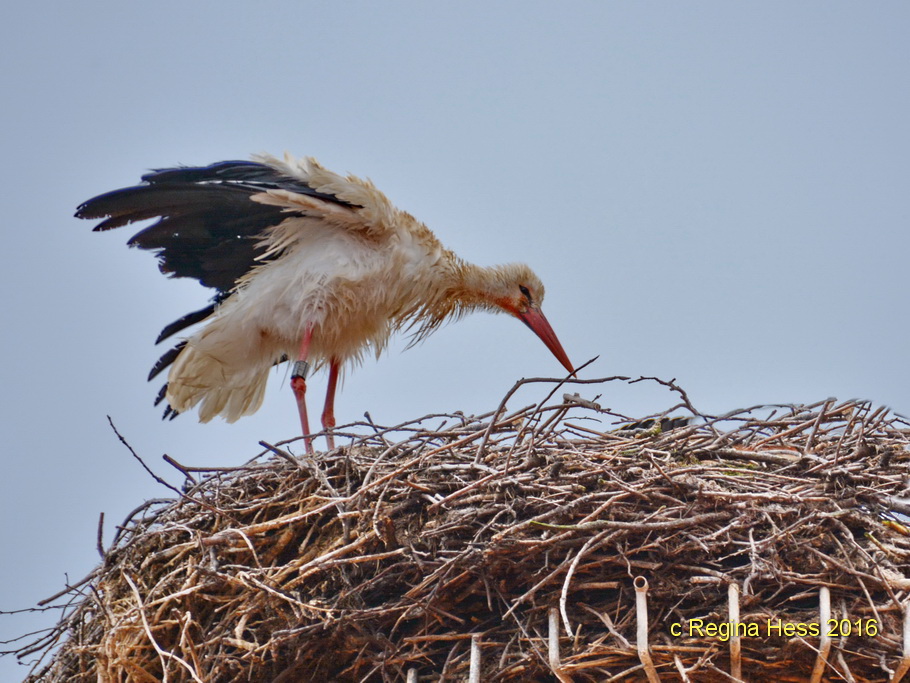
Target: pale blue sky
713 191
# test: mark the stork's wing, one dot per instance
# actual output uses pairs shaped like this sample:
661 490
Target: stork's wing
209 228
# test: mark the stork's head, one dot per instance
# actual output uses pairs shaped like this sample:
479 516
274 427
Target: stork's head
515 289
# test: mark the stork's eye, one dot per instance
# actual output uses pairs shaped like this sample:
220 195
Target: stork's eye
524 290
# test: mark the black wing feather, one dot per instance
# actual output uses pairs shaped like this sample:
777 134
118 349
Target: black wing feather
169 357
208 227
187 320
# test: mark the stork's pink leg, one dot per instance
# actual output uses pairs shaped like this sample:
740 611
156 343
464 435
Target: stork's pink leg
328 413
298 384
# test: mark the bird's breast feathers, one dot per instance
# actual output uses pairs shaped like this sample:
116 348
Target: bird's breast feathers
354 292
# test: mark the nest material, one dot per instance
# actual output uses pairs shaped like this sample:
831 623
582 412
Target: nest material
398 552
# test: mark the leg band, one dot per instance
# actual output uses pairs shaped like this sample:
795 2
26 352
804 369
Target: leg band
300 369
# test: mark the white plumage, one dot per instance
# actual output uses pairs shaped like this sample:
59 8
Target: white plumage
308 265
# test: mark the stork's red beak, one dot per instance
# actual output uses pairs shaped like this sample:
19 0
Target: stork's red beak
535 319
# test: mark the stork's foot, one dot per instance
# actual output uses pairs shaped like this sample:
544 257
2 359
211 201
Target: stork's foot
298 384
328 424
328 413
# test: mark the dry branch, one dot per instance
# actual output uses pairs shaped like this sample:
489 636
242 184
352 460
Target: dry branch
512 541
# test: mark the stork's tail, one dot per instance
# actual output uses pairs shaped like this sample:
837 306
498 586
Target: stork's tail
199 378
222 370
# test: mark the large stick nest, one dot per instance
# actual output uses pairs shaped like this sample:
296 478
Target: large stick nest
387 555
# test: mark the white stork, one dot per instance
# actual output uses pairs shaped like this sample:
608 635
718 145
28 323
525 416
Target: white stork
307 265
